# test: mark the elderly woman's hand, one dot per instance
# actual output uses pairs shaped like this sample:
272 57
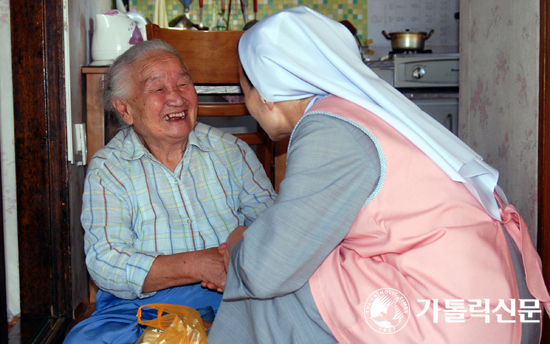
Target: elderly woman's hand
209 268
186 268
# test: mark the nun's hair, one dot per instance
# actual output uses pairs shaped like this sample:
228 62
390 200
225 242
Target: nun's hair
247 78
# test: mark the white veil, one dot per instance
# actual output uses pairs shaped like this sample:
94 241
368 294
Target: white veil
297 53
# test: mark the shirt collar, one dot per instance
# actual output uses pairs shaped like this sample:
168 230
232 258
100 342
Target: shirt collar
133 148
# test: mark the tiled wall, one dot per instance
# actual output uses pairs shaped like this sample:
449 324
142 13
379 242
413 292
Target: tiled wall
353 10
414 15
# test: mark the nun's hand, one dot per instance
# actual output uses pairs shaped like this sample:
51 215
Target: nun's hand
232 239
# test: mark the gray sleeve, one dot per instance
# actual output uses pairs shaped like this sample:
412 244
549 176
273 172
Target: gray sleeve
332 168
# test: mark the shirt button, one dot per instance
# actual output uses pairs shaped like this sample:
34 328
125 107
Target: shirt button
189 221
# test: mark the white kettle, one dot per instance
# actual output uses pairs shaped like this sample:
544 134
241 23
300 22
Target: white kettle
115 32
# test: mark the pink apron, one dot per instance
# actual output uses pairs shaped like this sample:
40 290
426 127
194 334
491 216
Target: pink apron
423 261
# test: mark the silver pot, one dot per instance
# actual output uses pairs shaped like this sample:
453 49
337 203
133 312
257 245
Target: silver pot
407 40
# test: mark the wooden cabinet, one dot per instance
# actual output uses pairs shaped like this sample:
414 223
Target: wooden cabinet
95 118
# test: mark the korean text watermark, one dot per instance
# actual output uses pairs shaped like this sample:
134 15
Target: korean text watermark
388 310
454 311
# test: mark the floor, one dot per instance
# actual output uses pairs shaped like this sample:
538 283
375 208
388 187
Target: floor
39 330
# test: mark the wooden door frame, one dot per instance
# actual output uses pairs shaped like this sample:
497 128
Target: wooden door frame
3 300
543 240
37 42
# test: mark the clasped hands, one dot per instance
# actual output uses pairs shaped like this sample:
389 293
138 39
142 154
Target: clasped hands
224 250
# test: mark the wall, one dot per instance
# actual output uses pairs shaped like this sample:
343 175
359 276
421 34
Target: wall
388 15
9 198
499 76
353 10
414 15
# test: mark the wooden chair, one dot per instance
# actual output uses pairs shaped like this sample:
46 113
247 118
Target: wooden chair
212 60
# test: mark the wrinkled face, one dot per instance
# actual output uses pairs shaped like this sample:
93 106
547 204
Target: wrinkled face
162 103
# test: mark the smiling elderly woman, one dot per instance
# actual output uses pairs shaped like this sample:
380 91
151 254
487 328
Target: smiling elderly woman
160 197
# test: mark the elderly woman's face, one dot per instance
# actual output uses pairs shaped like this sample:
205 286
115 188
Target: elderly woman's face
162 102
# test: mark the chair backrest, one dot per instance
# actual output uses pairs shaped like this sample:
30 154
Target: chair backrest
212 60
210 55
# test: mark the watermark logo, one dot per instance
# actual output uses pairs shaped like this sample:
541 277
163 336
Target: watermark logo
387 310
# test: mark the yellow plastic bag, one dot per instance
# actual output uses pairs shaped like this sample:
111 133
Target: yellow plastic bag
178 325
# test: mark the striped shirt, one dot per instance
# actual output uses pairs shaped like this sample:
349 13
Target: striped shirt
134 208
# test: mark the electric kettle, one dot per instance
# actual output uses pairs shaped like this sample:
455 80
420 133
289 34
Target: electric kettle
115 32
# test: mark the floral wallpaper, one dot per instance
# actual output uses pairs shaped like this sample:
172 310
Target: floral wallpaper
499 93
4 12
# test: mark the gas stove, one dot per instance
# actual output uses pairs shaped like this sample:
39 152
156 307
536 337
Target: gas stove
410 51
428 80
418 69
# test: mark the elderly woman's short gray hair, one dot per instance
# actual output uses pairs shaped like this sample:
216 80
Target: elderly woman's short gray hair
117 80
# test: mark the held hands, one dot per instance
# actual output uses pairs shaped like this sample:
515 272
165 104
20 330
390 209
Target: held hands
186 268
210 285
224 250
209 267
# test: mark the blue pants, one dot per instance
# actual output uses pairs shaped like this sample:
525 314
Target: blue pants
115 321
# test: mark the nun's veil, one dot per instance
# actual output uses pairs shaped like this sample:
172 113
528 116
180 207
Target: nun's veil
298 53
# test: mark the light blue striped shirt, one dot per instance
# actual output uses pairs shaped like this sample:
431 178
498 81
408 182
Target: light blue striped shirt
134 208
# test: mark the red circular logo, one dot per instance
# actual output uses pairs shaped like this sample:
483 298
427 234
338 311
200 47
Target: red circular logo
387 310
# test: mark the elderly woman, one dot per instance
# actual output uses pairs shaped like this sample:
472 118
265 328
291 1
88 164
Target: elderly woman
387 228
161 196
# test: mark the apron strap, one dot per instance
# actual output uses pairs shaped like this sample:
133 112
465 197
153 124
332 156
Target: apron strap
516 227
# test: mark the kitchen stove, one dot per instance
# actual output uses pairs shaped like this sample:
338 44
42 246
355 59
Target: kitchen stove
427 79
410 51
418 70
